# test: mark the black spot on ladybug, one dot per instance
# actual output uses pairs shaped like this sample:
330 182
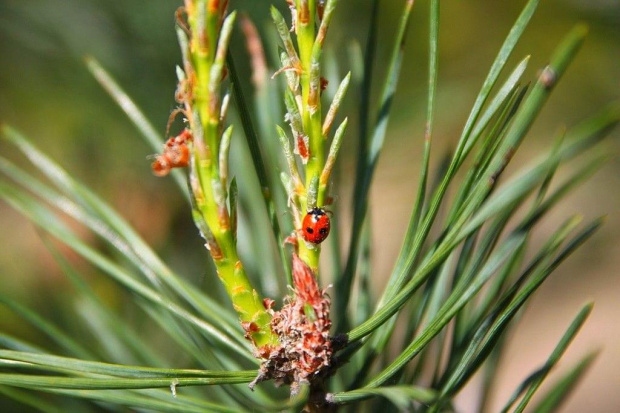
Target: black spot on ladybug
323 231
309 230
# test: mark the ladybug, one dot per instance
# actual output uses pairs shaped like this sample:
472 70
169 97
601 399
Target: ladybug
315 226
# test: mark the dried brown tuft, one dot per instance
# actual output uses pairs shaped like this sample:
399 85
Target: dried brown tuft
302 326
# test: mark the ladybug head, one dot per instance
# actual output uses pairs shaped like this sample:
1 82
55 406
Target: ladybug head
316 211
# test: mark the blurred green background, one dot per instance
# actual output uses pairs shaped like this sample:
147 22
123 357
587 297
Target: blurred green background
46 91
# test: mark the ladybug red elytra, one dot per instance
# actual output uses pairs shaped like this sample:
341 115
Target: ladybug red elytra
315 226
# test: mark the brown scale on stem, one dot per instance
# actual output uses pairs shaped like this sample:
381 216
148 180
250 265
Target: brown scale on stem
214 6
224 218
303 14
214 249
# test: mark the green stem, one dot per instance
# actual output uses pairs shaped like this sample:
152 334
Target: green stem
208 49
311 115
